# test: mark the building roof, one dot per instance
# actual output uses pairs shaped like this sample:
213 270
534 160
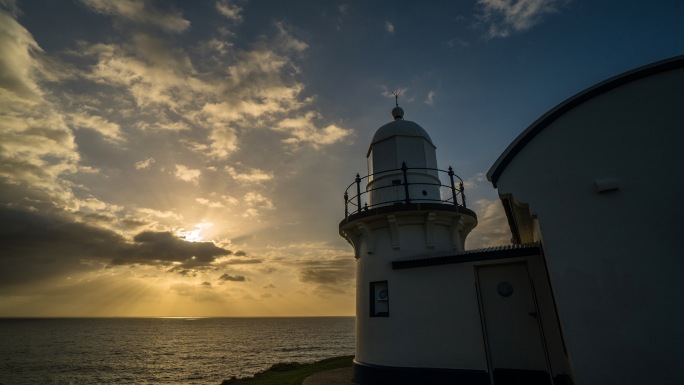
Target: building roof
547 119
399 127
475 255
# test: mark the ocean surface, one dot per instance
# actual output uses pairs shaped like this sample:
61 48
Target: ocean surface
162 350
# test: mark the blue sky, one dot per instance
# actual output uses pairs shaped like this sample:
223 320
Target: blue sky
189 158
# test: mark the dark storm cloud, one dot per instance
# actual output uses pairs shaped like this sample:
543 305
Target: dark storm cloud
150 246
233 278
35 246
240 253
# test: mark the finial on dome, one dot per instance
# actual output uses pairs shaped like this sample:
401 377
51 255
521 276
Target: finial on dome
397 112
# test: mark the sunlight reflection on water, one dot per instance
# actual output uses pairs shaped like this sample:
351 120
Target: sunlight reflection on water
162 350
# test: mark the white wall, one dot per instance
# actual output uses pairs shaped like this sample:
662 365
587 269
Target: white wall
615 258
433 319
433 312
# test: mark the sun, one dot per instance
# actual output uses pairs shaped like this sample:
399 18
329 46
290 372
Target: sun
194 235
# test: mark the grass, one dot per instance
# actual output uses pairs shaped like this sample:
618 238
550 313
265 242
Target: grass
291 373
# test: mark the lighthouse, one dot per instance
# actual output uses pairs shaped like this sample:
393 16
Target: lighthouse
428 311
406 207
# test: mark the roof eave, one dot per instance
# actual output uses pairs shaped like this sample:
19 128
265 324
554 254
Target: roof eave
535 128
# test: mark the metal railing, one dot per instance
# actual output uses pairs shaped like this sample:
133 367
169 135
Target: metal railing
360 201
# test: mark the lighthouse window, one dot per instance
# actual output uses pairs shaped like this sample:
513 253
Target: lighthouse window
370 165
379 299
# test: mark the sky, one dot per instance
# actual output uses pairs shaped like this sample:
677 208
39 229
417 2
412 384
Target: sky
189 158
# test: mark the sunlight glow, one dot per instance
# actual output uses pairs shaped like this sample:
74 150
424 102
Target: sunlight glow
194 235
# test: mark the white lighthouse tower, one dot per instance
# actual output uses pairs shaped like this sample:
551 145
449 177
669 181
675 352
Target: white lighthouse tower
407 208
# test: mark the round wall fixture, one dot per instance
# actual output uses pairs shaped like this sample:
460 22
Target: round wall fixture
505 289
383 295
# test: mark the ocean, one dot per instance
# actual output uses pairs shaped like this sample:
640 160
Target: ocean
162 350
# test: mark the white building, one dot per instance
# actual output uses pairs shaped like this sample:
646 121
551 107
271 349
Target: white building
598 182
429 312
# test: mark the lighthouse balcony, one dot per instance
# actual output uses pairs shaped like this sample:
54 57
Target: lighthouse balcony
404 188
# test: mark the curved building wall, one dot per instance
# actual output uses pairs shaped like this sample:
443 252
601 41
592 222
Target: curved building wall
604 181
433 317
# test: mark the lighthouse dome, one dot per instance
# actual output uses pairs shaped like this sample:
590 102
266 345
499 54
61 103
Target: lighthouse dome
398 147
400 127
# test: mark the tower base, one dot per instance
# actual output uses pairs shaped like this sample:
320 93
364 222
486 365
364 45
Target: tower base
367 374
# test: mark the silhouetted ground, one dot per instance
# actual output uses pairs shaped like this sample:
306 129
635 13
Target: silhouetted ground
293 373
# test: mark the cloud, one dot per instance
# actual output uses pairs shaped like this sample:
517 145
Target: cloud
391 93
457 42
247 89
329 276
37 147
504 17
71 200
147 214
223 141
492 227
38 246
286 40
183 271
233 278
161 247
251 176
343 13
257 200
109 130
224 261
238 261
199 293
187 174
230 11
255 204
140 12
18 68
430 98
389 27
208 203
144 164
155 74
10 6
304 129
